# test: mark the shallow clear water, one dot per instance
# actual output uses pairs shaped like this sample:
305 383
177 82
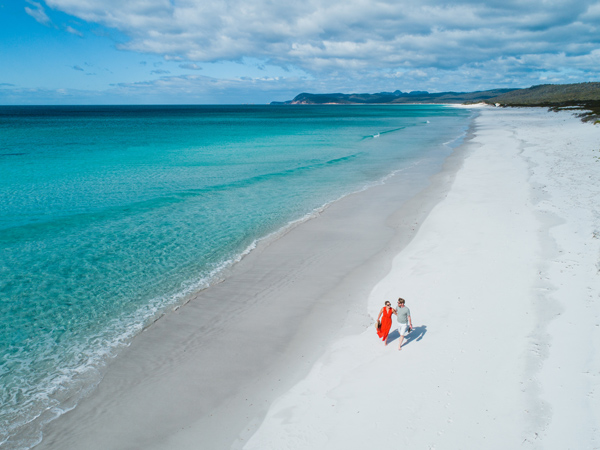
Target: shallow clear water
109 215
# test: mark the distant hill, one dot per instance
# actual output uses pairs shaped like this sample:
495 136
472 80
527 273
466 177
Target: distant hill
393 97
550 94
583 96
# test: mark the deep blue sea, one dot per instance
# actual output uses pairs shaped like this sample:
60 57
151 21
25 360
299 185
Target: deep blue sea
112 215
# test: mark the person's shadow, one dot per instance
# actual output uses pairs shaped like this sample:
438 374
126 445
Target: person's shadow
416 334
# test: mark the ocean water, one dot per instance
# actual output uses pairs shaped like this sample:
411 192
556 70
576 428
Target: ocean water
110 216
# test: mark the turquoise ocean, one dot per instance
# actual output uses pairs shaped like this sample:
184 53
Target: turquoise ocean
110 216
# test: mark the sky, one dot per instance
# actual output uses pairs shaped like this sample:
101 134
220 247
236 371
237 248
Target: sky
258 51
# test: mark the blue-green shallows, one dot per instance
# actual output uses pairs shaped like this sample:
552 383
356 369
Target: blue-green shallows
110 214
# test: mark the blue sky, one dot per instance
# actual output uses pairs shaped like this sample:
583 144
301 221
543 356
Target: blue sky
257 51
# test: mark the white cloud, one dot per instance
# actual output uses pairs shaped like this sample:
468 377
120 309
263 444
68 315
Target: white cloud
190 66
72 30
333 39
203 89
38 13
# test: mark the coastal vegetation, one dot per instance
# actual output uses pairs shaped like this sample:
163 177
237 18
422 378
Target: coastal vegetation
579 96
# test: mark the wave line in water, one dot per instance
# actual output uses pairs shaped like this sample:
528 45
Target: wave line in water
379 133
35 231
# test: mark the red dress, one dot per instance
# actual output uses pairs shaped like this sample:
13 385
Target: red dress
386 323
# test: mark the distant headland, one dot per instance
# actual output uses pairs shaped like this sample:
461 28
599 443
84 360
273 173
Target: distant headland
393 97
583 96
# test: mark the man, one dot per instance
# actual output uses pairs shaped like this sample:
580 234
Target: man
404 320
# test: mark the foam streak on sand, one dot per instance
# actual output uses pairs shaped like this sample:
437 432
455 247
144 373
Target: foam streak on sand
503 283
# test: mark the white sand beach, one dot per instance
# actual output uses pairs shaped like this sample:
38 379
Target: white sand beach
503 284
498 259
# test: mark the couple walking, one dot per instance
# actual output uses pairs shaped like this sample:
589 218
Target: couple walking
384 321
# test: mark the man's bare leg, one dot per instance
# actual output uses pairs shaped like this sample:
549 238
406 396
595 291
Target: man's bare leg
400 344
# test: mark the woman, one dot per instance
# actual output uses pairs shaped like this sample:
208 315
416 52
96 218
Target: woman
386 321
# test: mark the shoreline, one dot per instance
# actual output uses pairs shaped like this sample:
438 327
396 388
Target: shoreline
502 280
136 404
